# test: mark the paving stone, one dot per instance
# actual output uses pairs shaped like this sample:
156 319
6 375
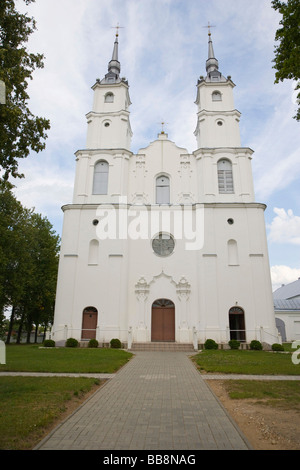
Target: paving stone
157 401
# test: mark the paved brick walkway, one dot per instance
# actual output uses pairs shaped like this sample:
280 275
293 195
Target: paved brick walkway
157 401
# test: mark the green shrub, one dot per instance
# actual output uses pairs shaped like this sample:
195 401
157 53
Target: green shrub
277 347
71 343
256 345
115 343
210 344
93 343
234 344
49 343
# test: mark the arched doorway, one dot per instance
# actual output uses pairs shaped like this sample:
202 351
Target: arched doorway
163 321
280 325
89 323
237 324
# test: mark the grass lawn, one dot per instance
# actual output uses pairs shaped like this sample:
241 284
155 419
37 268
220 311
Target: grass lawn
33 358
30 405
246 362
276 393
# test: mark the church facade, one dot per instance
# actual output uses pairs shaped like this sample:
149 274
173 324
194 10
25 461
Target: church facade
164 245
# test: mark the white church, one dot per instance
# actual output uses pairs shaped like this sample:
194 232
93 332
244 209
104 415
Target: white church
164 246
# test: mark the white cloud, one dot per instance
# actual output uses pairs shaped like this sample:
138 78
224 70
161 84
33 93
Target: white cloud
276 160
285 227
283 275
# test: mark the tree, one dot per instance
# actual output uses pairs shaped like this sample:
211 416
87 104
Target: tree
287 52
28 262
38 299
20 130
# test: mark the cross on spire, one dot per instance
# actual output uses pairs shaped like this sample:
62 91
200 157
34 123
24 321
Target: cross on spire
117 29
208 27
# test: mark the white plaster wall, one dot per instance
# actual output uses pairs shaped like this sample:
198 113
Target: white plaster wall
292 324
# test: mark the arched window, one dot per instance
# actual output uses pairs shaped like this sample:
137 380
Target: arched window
225 178
100 184
216 96
93 252
233 256
109 98
162 190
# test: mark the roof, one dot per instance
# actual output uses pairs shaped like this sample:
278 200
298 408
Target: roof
289 291
283 304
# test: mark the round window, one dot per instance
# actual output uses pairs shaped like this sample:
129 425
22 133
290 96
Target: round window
163 244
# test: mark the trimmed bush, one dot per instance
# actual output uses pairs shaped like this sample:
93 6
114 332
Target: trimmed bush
49 343
93 343
71 343
255 345
210 344
234 344
277 347
115 343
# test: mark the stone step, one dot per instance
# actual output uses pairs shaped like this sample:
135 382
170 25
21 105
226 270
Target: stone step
162 346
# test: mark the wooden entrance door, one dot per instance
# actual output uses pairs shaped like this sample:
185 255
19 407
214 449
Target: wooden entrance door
163 321
89 323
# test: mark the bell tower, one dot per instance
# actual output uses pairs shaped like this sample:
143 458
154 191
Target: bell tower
108 122
224 167
102 167
218 120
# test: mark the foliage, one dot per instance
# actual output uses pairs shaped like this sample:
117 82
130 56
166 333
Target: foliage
21 131
49 343
287 52
210 344
93 343
277 347
71 343
115 343
234 344
29 251
255 345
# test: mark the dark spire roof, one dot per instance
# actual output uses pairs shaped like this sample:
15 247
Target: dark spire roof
114 66
212 64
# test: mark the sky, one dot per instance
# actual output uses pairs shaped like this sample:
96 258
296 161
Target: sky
163 50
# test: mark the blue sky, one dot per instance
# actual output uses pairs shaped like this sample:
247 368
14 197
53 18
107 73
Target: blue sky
162 50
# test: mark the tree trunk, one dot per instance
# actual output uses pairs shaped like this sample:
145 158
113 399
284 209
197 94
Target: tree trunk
28 334
36 333
20 328
11 322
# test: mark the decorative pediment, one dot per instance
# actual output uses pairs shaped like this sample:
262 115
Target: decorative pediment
183 287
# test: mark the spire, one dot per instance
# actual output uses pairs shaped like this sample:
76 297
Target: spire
211 64
114 65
